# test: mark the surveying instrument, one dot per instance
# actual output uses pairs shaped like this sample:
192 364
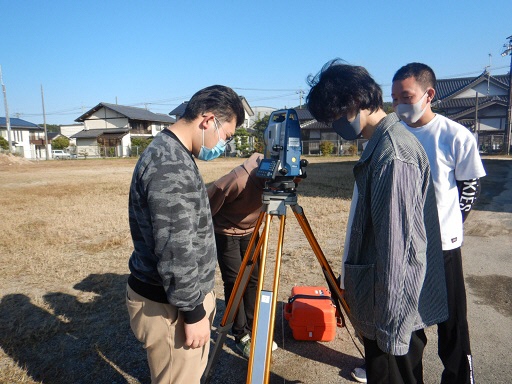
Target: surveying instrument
281 166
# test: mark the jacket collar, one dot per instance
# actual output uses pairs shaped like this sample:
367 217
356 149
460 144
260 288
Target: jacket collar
380 131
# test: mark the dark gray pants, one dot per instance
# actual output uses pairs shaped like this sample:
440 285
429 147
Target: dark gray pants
230 253
383 368
453 335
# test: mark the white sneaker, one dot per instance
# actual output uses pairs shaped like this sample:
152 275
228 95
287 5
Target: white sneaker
359 374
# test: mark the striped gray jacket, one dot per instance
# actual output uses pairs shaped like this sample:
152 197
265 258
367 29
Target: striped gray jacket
394 272
171 224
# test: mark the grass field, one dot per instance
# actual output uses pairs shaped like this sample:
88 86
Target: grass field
64 251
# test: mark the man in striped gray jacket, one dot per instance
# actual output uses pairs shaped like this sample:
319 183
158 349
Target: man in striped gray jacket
394 275
170 296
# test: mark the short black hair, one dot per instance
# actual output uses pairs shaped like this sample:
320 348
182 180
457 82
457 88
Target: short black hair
341 88
421 72
222 101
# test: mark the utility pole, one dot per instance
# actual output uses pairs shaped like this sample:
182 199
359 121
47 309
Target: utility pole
508 130
44 123
7 120
301 95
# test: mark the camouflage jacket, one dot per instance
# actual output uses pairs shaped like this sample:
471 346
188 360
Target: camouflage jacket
171 224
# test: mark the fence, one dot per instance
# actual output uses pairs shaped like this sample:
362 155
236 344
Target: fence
338 147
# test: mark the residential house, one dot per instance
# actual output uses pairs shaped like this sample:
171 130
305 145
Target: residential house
180 110
71 129
480 104
313 133
109 128
259 113
27 139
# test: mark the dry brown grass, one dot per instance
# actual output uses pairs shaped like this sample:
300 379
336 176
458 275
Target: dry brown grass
64 250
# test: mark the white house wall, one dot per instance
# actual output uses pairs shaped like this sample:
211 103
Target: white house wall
481 88
157 127
126 145
491 118
89 146
23 147
259 113
70 130
106 118
491 124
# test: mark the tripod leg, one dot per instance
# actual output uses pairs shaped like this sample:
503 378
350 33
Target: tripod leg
326 268
264 317
233 304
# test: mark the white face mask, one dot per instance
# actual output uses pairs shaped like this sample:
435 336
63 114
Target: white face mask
411 113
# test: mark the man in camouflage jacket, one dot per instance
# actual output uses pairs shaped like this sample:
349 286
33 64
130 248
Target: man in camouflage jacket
170 296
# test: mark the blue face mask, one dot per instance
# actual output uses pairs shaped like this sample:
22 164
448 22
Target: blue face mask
208 154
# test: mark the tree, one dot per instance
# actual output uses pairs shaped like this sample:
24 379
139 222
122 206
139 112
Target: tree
139 144
388 107
241 138
51 127
326 148
259 131
4 144
60 142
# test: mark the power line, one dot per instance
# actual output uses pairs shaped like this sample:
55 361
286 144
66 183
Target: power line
172 101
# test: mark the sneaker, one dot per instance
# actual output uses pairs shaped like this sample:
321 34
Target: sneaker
359 374
244 346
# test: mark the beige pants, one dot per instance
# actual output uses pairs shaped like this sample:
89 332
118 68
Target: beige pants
160 328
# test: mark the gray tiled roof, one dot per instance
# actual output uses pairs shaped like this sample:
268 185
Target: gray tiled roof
16 123
457 109
448 87
53 135
132 113
469 102
94 133
179 110
304 114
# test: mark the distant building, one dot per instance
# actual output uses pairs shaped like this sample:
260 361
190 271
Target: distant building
108 129
180 110
259 113
71 129
479 103
27 139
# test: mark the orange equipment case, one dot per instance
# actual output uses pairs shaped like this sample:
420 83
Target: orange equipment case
311 314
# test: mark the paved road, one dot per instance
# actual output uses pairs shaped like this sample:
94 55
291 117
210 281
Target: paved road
487 252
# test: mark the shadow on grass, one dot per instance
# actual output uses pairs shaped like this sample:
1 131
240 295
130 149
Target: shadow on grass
91 342
80 342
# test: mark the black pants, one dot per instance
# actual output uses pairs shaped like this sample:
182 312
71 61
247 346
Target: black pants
383 368
453 335
230 253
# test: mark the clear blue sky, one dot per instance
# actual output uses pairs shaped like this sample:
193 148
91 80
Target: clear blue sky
158 53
